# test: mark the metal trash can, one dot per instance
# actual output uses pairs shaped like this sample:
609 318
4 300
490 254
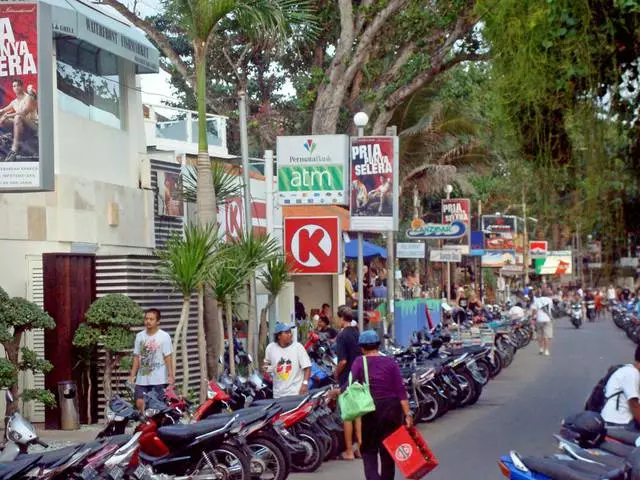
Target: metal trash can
68 403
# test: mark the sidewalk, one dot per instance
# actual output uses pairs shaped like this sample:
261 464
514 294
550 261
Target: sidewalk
63 438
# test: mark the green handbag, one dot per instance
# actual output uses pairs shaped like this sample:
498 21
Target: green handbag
356 400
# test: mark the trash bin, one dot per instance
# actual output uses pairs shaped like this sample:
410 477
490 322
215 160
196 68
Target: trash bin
68 403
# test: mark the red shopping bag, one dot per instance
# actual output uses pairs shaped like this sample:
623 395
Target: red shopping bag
410 452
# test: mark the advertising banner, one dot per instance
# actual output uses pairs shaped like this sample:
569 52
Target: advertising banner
170 202
313 170
500 231
19 109
312 244
477 244
498 259
458 210
556 263
374 183
538 249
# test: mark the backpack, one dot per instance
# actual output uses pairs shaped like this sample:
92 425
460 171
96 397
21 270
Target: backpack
597 399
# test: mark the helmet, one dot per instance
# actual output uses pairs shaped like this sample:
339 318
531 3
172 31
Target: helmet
586 428
489 308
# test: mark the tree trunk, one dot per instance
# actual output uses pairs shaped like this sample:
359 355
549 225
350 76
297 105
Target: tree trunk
185 359
251 325
202 347
106 379
264 329
12 351
184 317
89 388
181 336
213 331
232 355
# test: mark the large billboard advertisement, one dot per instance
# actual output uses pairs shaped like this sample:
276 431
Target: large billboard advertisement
458 210
374 183
313 170
21 149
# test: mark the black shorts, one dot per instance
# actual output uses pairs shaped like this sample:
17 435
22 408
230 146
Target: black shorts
142 389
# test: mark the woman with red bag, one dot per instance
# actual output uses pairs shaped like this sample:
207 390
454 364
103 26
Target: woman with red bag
390 398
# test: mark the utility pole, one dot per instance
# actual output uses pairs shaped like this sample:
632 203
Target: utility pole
525 247
248 226
360 119
391 267
481 281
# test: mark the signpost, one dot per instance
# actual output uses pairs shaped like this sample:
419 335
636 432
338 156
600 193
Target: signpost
445 256
312 170
458 210
538 249
411 250
312 245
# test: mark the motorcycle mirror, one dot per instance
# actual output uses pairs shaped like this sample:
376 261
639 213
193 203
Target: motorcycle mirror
250 358
221 359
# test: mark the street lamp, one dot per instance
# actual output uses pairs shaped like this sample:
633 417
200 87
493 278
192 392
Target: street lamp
447 190
360 120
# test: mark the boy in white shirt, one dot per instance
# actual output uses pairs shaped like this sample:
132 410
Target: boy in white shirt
622 408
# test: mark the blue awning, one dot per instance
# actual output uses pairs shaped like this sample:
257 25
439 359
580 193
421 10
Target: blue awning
72 18
370 250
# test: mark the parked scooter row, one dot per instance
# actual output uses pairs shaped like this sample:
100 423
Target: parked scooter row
625 318
586 451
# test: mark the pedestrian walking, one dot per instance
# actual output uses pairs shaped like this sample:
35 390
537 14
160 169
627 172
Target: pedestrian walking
390 398
152 369
348 349
541 308
288 363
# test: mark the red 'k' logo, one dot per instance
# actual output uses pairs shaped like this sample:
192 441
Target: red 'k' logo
235 218
311 245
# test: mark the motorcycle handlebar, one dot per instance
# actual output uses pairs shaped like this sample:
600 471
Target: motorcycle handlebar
42 444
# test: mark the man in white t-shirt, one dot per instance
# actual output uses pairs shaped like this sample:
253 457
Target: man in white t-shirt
152 368
622 391
541 307
516 312
288 363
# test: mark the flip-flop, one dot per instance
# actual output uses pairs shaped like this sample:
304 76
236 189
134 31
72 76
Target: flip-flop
342 457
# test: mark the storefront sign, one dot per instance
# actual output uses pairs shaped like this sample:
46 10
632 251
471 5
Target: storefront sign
538 249
312 170
420 229
410 250
312 244
477 244
170 202
26 158
458 210
556 263
447 256
629 262
374 183
498 259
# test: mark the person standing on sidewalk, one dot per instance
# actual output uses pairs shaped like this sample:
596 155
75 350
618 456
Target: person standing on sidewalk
288 363
152 369
541 308
347 349
390 398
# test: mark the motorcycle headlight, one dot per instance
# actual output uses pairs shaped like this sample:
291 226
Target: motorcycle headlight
151 412
109 414
210 393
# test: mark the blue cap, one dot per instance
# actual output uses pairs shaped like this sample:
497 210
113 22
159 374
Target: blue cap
281 327
368 337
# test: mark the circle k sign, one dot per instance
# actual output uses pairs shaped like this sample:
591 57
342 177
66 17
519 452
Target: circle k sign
312 244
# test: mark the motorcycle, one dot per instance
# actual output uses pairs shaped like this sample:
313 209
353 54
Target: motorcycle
576 315
591 310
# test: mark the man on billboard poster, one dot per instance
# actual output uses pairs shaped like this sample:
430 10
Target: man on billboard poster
18 83
372 178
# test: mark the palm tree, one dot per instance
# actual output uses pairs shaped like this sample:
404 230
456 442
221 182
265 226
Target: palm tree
274 19
225 184
187 261
273 278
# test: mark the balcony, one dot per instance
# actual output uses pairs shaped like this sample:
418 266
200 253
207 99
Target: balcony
176 129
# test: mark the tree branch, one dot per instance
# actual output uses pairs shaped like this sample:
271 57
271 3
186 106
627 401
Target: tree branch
159 39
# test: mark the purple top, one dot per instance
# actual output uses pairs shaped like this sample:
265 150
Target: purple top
385 378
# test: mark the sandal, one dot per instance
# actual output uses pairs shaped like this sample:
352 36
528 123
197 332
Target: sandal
347 459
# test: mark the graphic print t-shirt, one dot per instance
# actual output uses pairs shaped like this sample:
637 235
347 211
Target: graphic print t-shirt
152 349
287 365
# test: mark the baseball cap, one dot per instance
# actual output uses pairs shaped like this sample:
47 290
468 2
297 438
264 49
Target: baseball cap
281 327
368 337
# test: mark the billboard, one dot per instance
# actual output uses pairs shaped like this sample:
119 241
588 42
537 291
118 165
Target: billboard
538 249
374 183
556 263
458 210
498 259
313 170
410 250
26 158
170 202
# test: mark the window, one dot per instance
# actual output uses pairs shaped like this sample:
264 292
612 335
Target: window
89 82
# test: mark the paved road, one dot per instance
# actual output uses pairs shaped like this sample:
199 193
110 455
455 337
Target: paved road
519 410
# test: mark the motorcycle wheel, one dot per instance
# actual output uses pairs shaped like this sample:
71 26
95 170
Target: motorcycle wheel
466 386
228 463
335 446
431 407
312 459
496 365
484 370
475 389
268 461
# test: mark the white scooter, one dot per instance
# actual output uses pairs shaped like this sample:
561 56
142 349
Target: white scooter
576 315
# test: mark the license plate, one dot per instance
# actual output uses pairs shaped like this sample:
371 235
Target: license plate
116 473
88 473
140 473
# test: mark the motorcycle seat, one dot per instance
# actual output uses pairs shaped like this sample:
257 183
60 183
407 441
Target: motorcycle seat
624 436
572 469
53 458
616 448
180 435
17 467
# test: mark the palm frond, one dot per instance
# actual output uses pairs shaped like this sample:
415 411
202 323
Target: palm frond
256 249
275 275
226 184
186 261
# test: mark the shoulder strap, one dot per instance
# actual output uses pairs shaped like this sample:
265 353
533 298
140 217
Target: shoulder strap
366 369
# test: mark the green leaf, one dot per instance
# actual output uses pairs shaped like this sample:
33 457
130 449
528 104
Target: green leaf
18 312
115 309
39 395
8 374
31 361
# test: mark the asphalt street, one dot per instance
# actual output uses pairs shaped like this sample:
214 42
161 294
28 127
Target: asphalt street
519 410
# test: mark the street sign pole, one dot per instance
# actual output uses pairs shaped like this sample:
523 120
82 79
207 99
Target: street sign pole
361 263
